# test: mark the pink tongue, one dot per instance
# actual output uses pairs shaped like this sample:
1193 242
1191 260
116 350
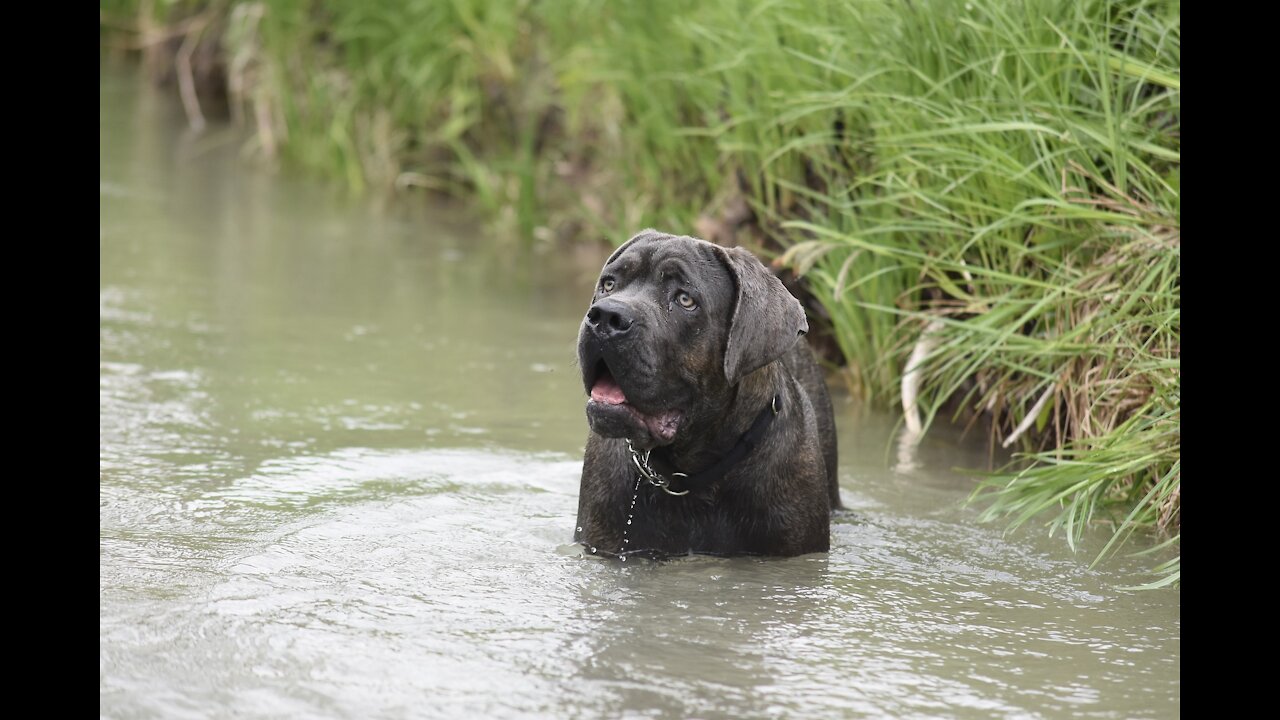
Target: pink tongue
606 390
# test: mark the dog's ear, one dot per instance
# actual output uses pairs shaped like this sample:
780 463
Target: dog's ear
767 320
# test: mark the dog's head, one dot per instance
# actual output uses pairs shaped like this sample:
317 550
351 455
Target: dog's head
674 325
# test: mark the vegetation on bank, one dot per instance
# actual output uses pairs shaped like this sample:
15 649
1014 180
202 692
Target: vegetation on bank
983 196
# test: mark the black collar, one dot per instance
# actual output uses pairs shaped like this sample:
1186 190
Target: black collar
745 445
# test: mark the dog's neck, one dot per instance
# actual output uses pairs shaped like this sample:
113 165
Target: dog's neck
707 441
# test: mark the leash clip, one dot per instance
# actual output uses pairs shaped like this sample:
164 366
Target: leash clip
655 478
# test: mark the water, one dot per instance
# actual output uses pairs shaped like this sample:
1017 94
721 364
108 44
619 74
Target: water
340 449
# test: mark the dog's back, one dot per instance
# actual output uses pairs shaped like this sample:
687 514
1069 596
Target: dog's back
804 367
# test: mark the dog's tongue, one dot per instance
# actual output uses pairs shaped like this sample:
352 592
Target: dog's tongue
606 390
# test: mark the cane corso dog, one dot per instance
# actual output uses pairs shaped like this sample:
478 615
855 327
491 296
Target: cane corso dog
711 426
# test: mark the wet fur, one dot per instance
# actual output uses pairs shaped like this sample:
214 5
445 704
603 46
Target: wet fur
719 366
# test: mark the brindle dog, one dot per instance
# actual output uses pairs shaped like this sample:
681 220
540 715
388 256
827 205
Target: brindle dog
711 426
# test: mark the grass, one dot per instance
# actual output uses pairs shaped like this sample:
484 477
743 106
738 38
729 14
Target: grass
994 182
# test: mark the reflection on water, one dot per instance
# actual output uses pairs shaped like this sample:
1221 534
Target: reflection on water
340 450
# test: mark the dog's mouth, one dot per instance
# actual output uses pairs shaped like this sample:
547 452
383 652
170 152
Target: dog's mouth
607 395
605 389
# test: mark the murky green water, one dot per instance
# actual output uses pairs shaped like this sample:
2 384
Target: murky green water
339 462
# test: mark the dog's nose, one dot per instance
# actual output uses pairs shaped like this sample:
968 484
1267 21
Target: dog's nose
609 319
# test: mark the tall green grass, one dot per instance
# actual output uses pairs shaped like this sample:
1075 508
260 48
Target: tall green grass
1002 177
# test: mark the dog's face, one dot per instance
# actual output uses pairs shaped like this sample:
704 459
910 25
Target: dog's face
674 324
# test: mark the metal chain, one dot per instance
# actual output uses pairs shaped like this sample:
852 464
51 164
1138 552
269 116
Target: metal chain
655 478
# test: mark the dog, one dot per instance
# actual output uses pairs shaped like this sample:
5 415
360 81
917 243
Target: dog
712 430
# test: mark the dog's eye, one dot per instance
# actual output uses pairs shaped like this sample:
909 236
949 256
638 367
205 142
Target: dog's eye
686 300
607 284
